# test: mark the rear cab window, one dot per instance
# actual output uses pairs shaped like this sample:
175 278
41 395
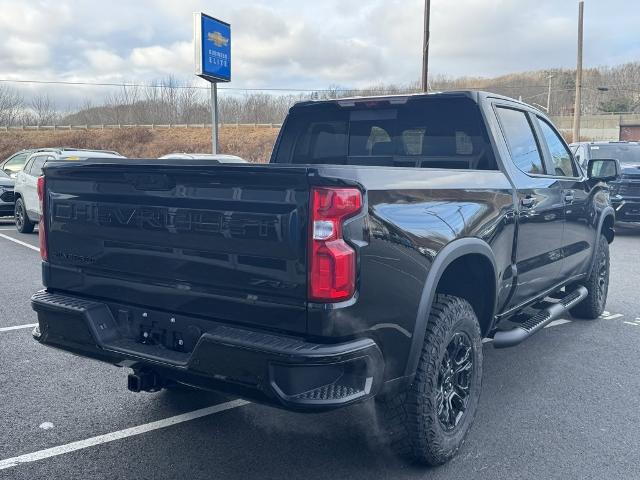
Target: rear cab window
415 132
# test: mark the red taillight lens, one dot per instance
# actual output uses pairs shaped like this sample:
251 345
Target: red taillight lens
332 262
42 231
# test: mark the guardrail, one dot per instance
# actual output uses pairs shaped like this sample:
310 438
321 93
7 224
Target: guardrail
152 126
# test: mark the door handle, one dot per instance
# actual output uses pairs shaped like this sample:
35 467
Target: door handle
528 202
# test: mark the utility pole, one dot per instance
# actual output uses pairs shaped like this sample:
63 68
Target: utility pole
425 46
549 96
576 108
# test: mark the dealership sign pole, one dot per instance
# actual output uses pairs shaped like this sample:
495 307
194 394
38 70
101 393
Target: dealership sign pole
212 40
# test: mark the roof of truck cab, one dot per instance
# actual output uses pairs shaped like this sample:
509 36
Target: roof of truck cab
475 95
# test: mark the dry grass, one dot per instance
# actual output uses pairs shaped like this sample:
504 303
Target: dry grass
251 143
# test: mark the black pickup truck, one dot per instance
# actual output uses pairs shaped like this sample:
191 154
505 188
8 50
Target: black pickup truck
386 238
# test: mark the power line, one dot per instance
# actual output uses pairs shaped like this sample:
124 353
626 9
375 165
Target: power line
301 90
241 89
156 85
195 87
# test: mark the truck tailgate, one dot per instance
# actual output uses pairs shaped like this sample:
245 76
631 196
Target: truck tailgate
224 242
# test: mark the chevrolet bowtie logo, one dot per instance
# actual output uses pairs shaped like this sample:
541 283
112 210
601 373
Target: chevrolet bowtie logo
218 39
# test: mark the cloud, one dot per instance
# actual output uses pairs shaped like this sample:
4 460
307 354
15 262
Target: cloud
33 20
300 49
104 60
177 57
293 44
19 52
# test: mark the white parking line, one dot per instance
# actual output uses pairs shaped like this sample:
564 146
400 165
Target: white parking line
555 323
118 435
19 242
17 327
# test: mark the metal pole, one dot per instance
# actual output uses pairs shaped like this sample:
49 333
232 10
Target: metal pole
549 96
425 46
214 118
576 108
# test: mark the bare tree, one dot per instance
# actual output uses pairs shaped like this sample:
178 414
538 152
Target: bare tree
11 106
43 110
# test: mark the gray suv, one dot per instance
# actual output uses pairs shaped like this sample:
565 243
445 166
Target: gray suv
6 194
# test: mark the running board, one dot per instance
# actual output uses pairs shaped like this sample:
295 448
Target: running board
511 338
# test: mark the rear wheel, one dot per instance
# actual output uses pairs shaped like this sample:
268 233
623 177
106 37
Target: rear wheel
429 421
23 224
597 283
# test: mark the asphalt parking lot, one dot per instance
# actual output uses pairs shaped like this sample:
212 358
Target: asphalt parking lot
564 404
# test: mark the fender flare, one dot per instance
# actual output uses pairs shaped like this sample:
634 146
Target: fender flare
451 252
606 212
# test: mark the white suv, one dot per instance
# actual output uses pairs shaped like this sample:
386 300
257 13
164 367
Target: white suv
27 206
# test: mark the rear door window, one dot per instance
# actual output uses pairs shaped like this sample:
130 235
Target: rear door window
521 141
36 166
27 166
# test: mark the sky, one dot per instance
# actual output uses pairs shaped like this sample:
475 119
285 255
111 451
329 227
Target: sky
306 45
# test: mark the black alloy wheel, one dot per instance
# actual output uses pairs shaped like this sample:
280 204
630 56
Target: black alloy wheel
454 381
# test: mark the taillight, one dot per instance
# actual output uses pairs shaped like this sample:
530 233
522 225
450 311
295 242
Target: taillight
42 230
332 262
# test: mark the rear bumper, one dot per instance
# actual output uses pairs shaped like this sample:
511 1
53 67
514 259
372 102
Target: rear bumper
279 370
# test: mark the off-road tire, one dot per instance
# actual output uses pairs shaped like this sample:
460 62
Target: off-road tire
597 283
23 224
410 417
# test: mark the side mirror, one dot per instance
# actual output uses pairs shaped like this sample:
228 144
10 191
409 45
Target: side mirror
603 169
